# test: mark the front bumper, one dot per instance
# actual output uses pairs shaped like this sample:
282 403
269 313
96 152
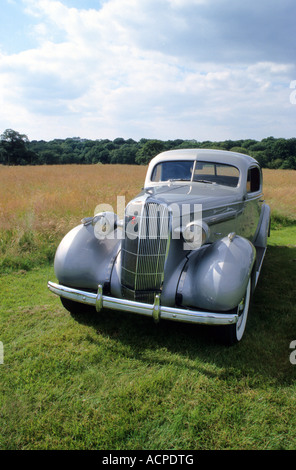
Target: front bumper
156 310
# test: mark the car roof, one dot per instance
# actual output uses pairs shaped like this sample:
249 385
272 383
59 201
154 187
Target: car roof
219 156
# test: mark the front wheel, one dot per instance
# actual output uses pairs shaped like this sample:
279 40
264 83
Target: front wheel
232 334
76 307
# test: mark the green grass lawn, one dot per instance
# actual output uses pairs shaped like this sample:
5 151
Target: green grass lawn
118 381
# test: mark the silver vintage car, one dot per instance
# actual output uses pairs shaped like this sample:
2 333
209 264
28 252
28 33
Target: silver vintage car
189 247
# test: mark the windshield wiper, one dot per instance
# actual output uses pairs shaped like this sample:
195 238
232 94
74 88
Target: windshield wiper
204 181
178 179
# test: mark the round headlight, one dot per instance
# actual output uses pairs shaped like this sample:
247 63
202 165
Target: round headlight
104 224
195 235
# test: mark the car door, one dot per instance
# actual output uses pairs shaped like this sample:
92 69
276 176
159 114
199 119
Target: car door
249 219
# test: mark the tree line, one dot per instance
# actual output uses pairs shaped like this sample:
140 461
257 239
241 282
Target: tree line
16 149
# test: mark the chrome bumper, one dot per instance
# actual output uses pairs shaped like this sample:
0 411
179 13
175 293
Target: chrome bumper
156 310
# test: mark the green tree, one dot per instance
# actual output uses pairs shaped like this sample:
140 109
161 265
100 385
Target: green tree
149 150
14 145
239 150
126 154
3 154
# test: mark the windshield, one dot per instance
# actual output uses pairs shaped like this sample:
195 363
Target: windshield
173 170
203 172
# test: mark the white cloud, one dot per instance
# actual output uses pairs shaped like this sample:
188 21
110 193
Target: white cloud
130 69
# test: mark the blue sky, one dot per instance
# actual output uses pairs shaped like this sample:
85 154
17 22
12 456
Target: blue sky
164 69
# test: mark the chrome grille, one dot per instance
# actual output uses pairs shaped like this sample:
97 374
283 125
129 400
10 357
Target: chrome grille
144 250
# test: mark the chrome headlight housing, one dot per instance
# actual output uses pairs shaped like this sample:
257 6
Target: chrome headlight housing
104 224
195 234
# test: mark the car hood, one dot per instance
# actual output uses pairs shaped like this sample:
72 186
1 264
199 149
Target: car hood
211 196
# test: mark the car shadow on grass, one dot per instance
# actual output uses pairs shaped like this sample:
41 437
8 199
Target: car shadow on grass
264 349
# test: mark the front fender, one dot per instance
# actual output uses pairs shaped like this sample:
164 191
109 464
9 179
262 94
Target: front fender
216 276
84 261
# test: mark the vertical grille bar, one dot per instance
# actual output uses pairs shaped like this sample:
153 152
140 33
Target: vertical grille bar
144 255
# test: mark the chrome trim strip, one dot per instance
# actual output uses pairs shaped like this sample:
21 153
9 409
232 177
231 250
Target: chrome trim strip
155 311
223 217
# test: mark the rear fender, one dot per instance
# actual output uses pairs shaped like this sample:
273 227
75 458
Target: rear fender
215 277
263 227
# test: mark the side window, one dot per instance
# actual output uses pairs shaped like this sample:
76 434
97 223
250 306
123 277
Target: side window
254 180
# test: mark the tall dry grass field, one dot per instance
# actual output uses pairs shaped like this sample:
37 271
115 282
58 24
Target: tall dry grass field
53 198
280 191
